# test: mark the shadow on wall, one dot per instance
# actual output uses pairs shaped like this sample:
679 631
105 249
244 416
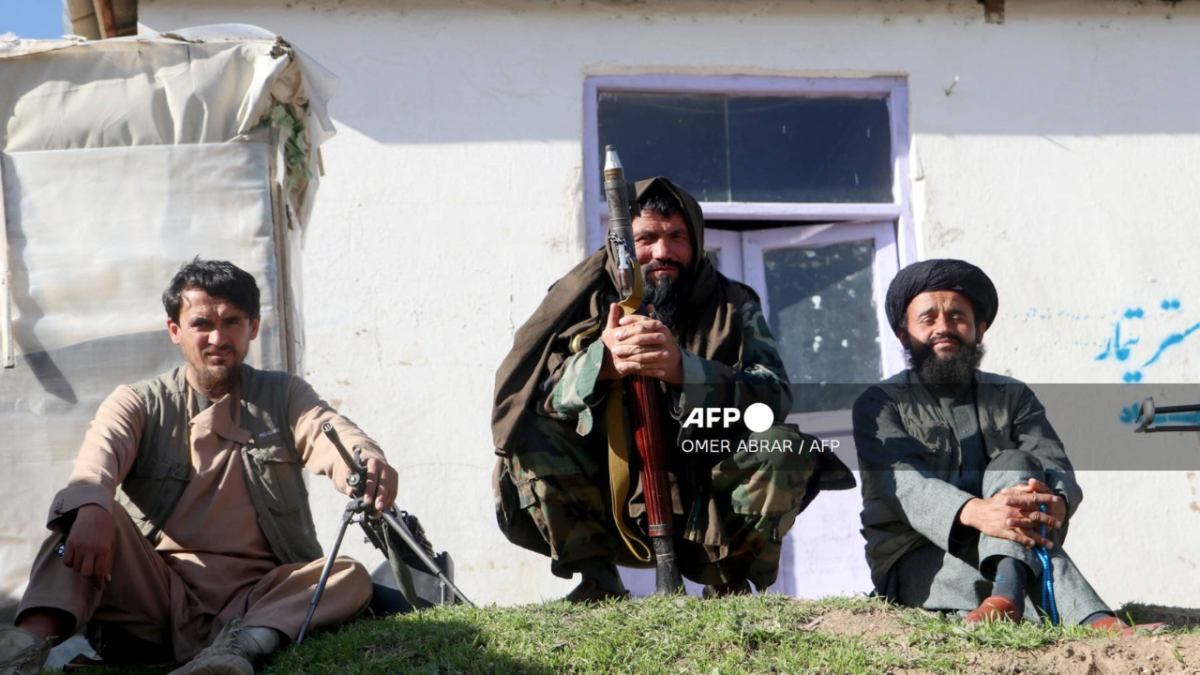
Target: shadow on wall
482 74
40 363
1178 617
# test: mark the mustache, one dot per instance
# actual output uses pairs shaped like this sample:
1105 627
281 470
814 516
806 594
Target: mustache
946 336
659 264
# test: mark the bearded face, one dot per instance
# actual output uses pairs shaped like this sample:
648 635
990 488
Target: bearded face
664 249
943 342
956 367
666 293
215 336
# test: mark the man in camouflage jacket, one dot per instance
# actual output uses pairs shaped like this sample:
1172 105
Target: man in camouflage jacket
709 346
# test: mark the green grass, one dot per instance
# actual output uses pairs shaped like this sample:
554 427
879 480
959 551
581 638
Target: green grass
767 634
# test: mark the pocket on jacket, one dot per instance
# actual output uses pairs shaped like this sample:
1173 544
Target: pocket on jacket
278 472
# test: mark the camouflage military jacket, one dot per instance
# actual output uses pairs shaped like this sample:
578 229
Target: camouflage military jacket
576 391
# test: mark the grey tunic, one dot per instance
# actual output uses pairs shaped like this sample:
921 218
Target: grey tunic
925 453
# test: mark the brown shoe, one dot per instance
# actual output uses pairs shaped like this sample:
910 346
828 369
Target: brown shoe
22 652
994 608
738 587
1111 624
590 591
223 657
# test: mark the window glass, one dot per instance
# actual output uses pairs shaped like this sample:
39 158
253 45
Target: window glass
809 150
677 136
823 316
754 148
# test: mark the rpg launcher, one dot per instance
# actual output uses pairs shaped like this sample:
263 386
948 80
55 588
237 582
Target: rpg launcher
642 393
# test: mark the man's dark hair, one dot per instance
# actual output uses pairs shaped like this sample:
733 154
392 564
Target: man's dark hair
660 202
218 278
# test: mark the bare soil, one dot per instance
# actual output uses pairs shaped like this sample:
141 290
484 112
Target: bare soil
1146 655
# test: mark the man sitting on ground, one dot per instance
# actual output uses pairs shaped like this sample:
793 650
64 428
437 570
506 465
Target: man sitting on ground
962 470
188 535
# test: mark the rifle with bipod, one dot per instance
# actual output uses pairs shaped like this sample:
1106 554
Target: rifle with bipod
398 535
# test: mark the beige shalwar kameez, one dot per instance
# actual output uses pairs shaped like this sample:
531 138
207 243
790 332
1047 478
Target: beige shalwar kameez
212 563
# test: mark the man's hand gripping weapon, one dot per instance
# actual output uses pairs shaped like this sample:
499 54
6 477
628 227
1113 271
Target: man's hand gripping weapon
374 521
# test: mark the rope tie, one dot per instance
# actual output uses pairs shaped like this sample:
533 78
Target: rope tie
1048 605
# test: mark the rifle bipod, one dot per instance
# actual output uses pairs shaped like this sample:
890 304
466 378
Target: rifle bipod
358 512
376 530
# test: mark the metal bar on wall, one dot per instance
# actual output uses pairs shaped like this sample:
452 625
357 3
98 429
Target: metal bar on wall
7 357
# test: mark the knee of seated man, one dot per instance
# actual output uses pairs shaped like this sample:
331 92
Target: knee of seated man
356 578
1016 461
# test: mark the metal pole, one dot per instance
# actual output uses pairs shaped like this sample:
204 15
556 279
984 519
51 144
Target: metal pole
337 544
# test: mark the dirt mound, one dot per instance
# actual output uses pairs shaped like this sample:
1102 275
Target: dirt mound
1163 654
868 621
1143 656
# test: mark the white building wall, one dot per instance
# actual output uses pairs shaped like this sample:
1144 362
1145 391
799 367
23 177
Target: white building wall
1063 162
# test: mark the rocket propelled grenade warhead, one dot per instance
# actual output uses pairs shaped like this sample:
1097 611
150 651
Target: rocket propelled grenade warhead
620 224
612 162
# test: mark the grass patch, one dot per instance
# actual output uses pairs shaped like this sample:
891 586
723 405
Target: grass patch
660 636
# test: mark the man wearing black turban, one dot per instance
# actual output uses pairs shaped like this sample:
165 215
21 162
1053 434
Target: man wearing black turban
962 470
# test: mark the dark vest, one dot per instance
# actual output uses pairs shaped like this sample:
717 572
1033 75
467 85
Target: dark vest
273 469
888 535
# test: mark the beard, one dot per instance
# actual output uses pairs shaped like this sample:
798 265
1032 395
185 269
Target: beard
958 368
666 294
214 381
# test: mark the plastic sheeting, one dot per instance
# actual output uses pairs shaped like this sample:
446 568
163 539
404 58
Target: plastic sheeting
119 161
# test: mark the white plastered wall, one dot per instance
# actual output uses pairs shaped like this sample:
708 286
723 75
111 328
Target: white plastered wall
1063 162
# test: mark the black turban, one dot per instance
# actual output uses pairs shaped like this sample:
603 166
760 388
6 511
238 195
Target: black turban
941 275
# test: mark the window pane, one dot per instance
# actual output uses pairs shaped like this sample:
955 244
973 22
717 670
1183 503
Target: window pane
680 137
754 149
823 315
810 150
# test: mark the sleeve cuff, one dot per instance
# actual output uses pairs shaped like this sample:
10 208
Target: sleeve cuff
961 536
694 375
1068 490
586 386
72 497
586 389
938 519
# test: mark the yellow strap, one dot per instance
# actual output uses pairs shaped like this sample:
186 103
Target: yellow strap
618 451
618 472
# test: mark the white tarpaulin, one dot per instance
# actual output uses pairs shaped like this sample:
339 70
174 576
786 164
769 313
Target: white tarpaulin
120 160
